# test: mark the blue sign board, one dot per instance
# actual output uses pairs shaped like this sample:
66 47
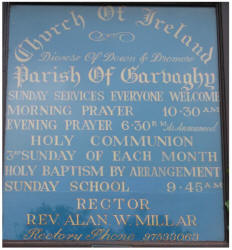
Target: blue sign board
112 126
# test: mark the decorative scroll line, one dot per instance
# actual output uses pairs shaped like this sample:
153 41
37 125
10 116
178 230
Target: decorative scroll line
99 36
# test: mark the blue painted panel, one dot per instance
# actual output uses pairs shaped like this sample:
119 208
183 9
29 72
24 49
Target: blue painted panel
113 125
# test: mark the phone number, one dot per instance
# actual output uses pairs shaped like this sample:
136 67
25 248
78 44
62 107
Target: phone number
171 236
